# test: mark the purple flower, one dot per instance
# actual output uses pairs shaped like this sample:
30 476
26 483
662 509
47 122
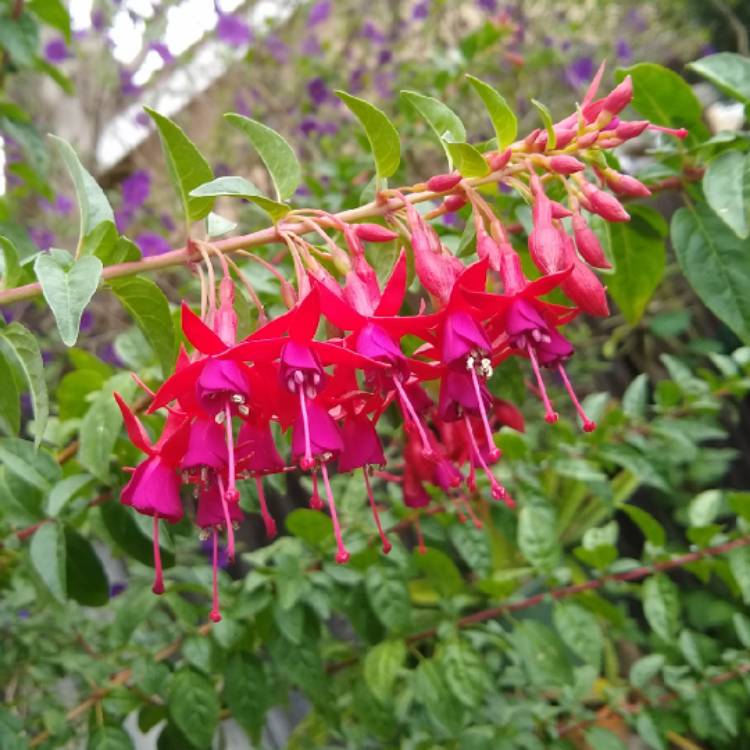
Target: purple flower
623 50
207 547
151 243
241 106
154 489
324 433
256 449
488 5
232 30
163 51
42 238
63 205
636 20
220 379
373 33
136 188
421 10
221 169
107 354
277 49
55 51
116 589
206 446
356 80
580 71
384 56
317 90
461 335
361 444
311 46
384 83
24 614
319 12
97 20
127 87
142 119
167 222
123 218
87 321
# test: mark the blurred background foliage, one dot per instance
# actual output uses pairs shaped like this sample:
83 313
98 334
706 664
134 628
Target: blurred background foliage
463 646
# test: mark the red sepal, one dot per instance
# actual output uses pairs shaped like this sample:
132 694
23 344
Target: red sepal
136 432
199 334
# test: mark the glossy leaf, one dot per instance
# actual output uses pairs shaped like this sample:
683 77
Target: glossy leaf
537 537
93 205
186 165
726 185
53 13
312 526
10 405
739 564
86 581
651 528
231 185
465 672
715 262
278 156
64 491
443 121
541 654
661 605
193 707
580 631
380 132
728 71
21 348
246 692
127 535
47 552
149 308
11 268
473 546
467 159
546 117
68 286
110 738
389 598
503 118
34 467
381 667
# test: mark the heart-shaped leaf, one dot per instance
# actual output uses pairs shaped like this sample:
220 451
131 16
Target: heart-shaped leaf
68 286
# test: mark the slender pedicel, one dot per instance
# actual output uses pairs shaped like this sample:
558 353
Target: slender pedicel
550 416
588 424
158 587
307 461
315 501
215 614
267 517
227 518
494 451
387 546
407 404
496 489
342 554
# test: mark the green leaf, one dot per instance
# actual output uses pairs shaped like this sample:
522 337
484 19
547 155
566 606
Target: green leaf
217 226
546 117
705 507
93 205
127 535
231 185
468 161
10 405
101 426
739 564
537 536
663 97
389 597
645 669
661 605
635 398
19 36
246 692
381 667
638 253
47 552
64 491
465 672
193 707
542 655
11 266
86 581
603 739
725 710
53 13
726 185
380 132
443 121
68 286
716 263
278 156
728 71
432 692
149 308
503 118
310 525
21 348
651 528
649 732
441 571
690 648
473 546
34 467
274 209
186 165
742 628
580 631
110 738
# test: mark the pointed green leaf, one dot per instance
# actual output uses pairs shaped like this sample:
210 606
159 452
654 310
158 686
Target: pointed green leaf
380 132
47 552
68 286
85 579
465 672
389 597
537 537
651 528
186 165
34 467
21 348
246 692
726 185
503 118
739 564
128 536
580 631
381 667
193 707
110 738
217 226
93 205
64 491
661 605
278 156
273 208
467 160
53 13
548 125
728 71
233 186
715 261
11 268
19 36
10 405
444 122
542 654
149 308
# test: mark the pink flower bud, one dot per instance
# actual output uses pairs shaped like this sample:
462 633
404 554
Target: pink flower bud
566 164
498 161
454 203
619 97
546 249
374 233
586 291
531 137
488 248
604 204
624 184
628 130
563 136
559 211
588 243
441 183
587 139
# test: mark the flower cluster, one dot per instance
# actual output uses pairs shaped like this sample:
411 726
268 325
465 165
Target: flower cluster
226 402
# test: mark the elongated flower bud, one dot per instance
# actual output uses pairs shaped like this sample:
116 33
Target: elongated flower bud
563 136
566 164
585 289
441 183
488 248
624 184
587 139
619 97
604 204
499 160
627 130
588 243
374 233
545 247
559 211
454 203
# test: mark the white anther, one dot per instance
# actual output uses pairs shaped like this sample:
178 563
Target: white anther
310 391
536 334
470 363
545 338
220 417
290 384
243 409
521 342
298 376
316 378
204 534
238 398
